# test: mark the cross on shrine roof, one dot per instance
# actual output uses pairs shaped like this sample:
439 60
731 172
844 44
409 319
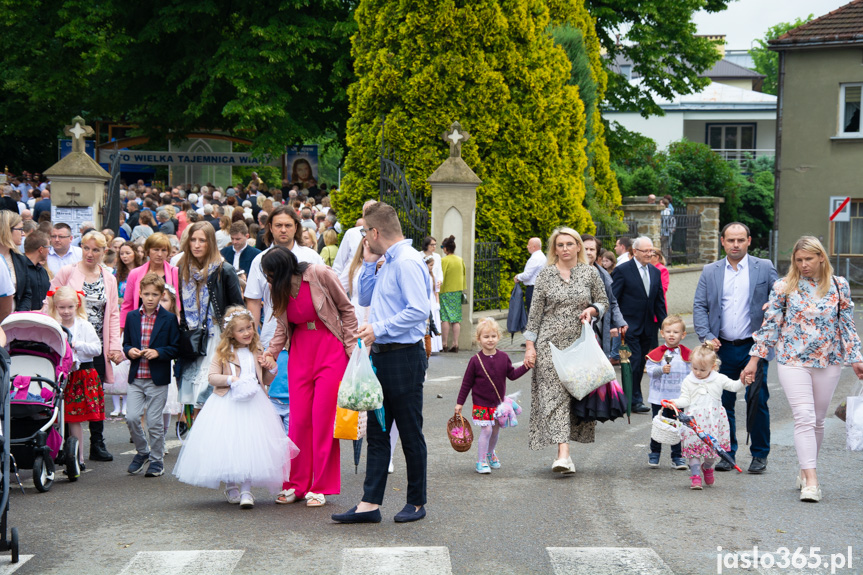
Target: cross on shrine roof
78 130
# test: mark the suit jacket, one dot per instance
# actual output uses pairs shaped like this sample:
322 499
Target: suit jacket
220 371
613 318
642 311
165 338
707 307
23 291
7 203
246 257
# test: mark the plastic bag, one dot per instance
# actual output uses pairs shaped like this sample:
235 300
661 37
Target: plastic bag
583 366
121 379
842 408
360 389
854 424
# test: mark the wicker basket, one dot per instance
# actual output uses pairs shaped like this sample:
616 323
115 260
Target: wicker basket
666 430
460 444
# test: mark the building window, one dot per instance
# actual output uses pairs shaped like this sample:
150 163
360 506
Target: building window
626 71
849 110
732 141
848 236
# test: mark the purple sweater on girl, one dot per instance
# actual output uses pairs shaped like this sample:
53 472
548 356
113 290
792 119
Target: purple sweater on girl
499 368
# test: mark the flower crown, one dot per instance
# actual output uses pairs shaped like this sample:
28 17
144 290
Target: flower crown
231 316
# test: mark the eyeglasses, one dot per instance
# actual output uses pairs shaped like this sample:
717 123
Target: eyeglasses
642 251
21 229
364 231
55 237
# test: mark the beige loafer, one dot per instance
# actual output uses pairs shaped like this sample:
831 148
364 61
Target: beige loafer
565 466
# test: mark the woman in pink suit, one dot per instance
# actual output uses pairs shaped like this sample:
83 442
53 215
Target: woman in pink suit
317 321
157 247
99 287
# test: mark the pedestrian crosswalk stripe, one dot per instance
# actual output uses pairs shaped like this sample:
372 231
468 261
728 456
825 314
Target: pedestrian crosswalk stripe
170 445
606 561
183 563
7 567
396 561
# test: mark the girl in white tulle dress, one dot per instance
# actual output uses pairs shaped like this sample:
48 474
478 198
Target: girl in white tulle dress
237 438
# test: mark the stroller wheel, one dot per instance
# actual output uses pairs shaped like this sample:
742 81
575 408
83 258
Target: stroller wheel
14 545
182 430
73 468
43 473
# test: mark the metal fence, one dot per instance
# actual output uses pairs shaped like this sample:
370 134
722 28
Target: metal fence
679 238
486 276
607 240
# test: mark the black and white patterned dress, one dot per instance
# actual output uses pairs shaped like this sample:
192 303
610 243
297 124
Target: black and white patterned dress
95 300
554 318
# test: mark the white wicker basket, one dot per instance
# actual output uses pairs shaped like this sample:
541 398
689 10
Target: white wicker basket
666 430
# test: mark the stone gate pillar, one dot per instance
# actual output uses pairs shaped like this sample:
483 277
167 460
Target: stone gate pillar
648 218
453 204
708 236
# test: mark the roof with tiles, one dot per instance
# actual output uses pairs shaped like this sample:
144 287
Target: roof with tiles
840 27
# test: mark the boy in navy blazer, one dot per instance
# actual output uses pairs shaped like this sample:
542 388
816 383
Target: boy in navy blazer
150 340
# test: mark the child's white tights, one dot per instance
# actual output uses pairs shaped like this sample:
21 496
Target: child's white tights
487 441
695 465
117 400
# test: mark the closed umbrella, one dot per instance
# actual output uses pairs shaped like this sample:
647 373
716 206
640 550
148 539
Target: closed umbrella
626 378
358 448
753 397
516 319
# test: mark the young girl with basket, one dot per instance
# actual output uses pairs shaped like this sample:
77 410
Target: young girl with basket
485 379
237 438
84 397
701 398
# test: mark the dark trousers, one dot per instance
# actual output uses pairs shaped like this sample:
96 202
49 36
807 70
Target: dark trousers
528 298
640 345
734 359
97 428
401 373
655 446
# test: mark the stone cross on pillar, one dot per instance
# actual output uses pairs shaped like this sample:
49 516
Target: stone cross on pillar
455 137
78 130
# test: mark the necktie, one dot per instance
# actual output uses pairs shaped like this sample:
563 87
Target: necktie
645 279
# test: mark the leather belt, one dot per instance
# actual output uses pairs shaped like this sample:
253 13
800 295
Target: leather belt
86 365
385 347
737 342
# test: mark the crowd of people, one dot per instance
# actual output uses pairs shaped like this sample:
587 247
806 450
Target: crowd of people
243 304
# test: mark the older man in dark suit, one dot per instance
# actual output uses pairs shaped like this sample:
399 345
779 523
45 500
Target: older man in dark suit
638 290
728 309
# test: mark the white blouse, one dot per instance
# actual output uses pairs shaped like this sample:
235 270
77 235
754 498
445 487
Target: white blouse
85 343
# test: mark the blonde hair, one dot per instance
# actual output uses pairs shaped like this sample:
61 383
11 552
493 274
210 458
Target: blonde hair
356 264
234 315
66 293
673 320
9 220
812 245
705 354
552 240
97 237
487 324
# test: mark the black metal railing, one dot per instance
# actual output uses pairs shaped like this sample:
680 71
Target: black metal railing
679 237
607 240
486 276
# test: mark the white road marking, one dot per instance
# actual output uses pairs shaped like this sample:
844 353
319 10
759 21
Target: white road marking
396 561
183 563
7 567
445 378
606 561
170 444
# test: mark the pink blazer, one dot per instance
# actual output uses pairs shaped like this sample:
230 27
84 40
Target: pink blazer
133 287
73 277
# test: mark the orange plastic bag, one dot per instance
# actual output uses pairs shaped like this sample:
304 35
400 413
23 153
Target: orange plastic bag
347 424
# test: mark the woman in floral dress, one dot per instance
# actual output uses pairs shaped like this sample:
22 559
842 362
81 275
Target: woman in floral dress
809 322
568 292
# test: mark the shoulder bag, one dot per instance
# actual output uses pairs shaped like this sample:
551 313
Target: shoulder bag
193 342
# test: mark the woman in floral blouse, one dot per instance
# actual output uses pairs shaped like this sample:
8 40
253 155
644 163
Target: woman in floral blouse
809 322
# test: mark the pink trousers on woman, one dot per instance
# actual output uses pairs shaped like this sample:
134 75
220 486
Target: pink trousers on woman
809 391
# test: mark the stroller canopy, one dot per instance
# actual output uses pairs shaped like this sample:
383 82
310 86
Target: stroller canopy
34 326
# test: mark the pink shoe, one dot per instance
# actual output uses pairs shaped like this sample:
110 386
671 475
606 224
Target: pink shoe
708 476
696 482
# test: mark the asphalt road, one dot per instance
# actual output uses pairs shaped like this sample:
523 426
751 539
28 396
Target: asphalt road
615 515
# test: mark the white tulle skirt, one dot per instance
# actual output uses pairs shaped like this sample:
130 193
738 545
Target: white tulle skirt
236 441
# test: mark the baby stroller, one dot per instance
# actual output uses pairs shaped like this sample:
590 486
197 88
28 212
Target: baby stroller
41 363
5 544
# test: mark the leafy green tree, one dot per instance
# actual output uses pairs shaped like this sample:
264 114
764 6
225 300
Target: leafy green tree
491 65
659 37
767 61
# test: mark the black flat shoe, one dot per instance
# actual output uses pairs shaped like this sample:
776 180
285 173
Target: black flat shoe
640 408
758 465
410 513
723 466
353 516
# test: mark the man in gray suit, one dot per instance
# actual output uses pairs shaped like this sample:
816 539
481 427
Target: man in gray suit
728 309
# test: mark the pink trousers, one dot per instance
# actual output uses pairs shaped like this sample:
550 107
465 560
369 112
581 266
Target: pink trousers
809 391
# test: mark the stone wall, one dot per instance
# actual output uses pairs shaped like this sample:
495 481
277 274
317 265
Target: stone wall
708 238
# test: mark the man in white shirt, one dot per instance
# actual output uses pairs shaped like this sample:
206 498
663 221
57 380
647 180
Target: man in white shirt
534 265
623 249
349 244
62 252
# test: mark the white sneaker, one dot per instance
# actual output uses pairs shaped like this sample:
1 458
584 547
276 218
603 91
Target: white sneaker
810 493
247 500
390 469
565 466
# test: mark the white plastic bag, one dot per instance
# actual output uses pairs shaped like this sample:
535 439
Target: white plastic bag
854 423
121 379
360 389
583 366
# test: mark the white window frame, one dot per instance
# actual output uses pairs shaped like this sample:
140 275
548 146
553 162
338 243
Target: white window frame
840 133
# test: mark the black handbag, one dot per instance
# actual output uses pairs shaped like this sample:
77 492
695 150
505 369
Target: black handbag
193 342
